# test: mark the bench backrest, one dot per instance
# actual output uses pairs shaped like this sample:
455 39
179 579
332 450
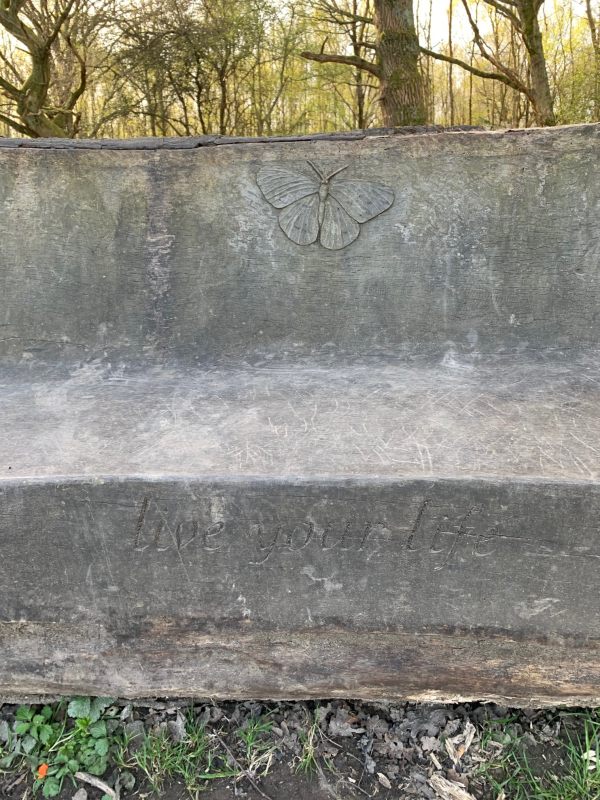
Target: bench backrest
476 243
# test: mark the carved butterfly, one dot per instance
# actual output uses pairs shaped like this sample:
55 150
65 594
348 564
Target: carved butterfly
330 211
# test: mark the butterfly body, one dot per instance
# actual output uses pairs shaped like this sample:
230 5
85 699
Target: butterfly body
327 211
323 192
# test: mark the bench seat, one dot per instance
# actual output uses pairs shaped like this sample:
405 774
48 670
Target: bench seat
499 417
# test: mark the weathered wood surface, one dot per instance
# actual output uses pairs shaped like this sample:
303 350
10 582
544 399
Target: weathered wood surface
232 465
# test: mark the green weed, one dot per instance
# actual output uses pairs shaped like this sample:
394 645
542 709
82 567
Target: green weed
307 761
573 774
193 760
55 742
259 752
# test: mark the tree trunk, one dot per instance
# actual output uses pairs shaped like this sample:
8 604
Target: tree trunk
540 85
595 34
33 97
596 84
450 65
402 95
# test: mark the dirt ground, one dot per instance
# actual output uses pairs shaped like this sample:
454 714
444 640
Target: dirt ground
314 751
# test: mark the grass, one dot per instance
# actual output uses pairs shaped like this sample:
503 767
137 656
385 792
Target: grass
521 773
259 751
193 761
307 761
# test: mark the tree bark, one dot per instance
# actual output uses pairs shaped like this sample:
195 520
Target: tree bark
402 95
31 98
540 85
595 35
450 65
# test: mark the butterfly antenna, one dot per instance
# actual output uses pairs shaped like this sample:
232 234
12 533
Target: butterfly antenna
335 172
316 169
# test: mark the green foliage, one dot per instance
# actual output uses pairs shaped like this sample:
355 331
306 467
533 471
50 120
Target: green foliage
574 773
56 742
194 760
87 708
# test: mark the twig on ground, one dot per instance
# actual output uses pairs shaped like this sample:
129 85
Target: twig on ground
93 781
448 790
324 783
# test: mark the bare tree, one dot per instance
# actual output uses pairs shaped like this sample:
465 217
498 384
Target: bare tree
523 17
395 57
270 75
42 86
346 26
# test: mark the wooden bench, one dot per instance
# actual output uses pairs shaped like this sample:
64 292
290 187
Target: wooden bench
270 431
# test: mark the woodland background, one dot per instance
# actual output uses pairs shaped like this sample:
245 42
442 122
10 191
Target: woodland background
123 68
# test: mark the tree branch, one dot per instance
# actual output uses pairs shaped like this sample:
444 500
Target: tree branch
60 21
333 9
10 90
15 6
80 89
12 123
335 58
592 24
481 73
9 64
506 12
512 3
515 82
12 23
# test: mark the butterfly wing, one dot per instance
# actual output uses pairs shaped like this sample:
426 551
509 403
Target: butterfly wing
300 220
361 199
338 229
282 187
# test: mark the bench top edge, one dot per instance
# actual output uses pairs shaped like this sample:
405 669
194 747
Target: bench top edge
194 142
